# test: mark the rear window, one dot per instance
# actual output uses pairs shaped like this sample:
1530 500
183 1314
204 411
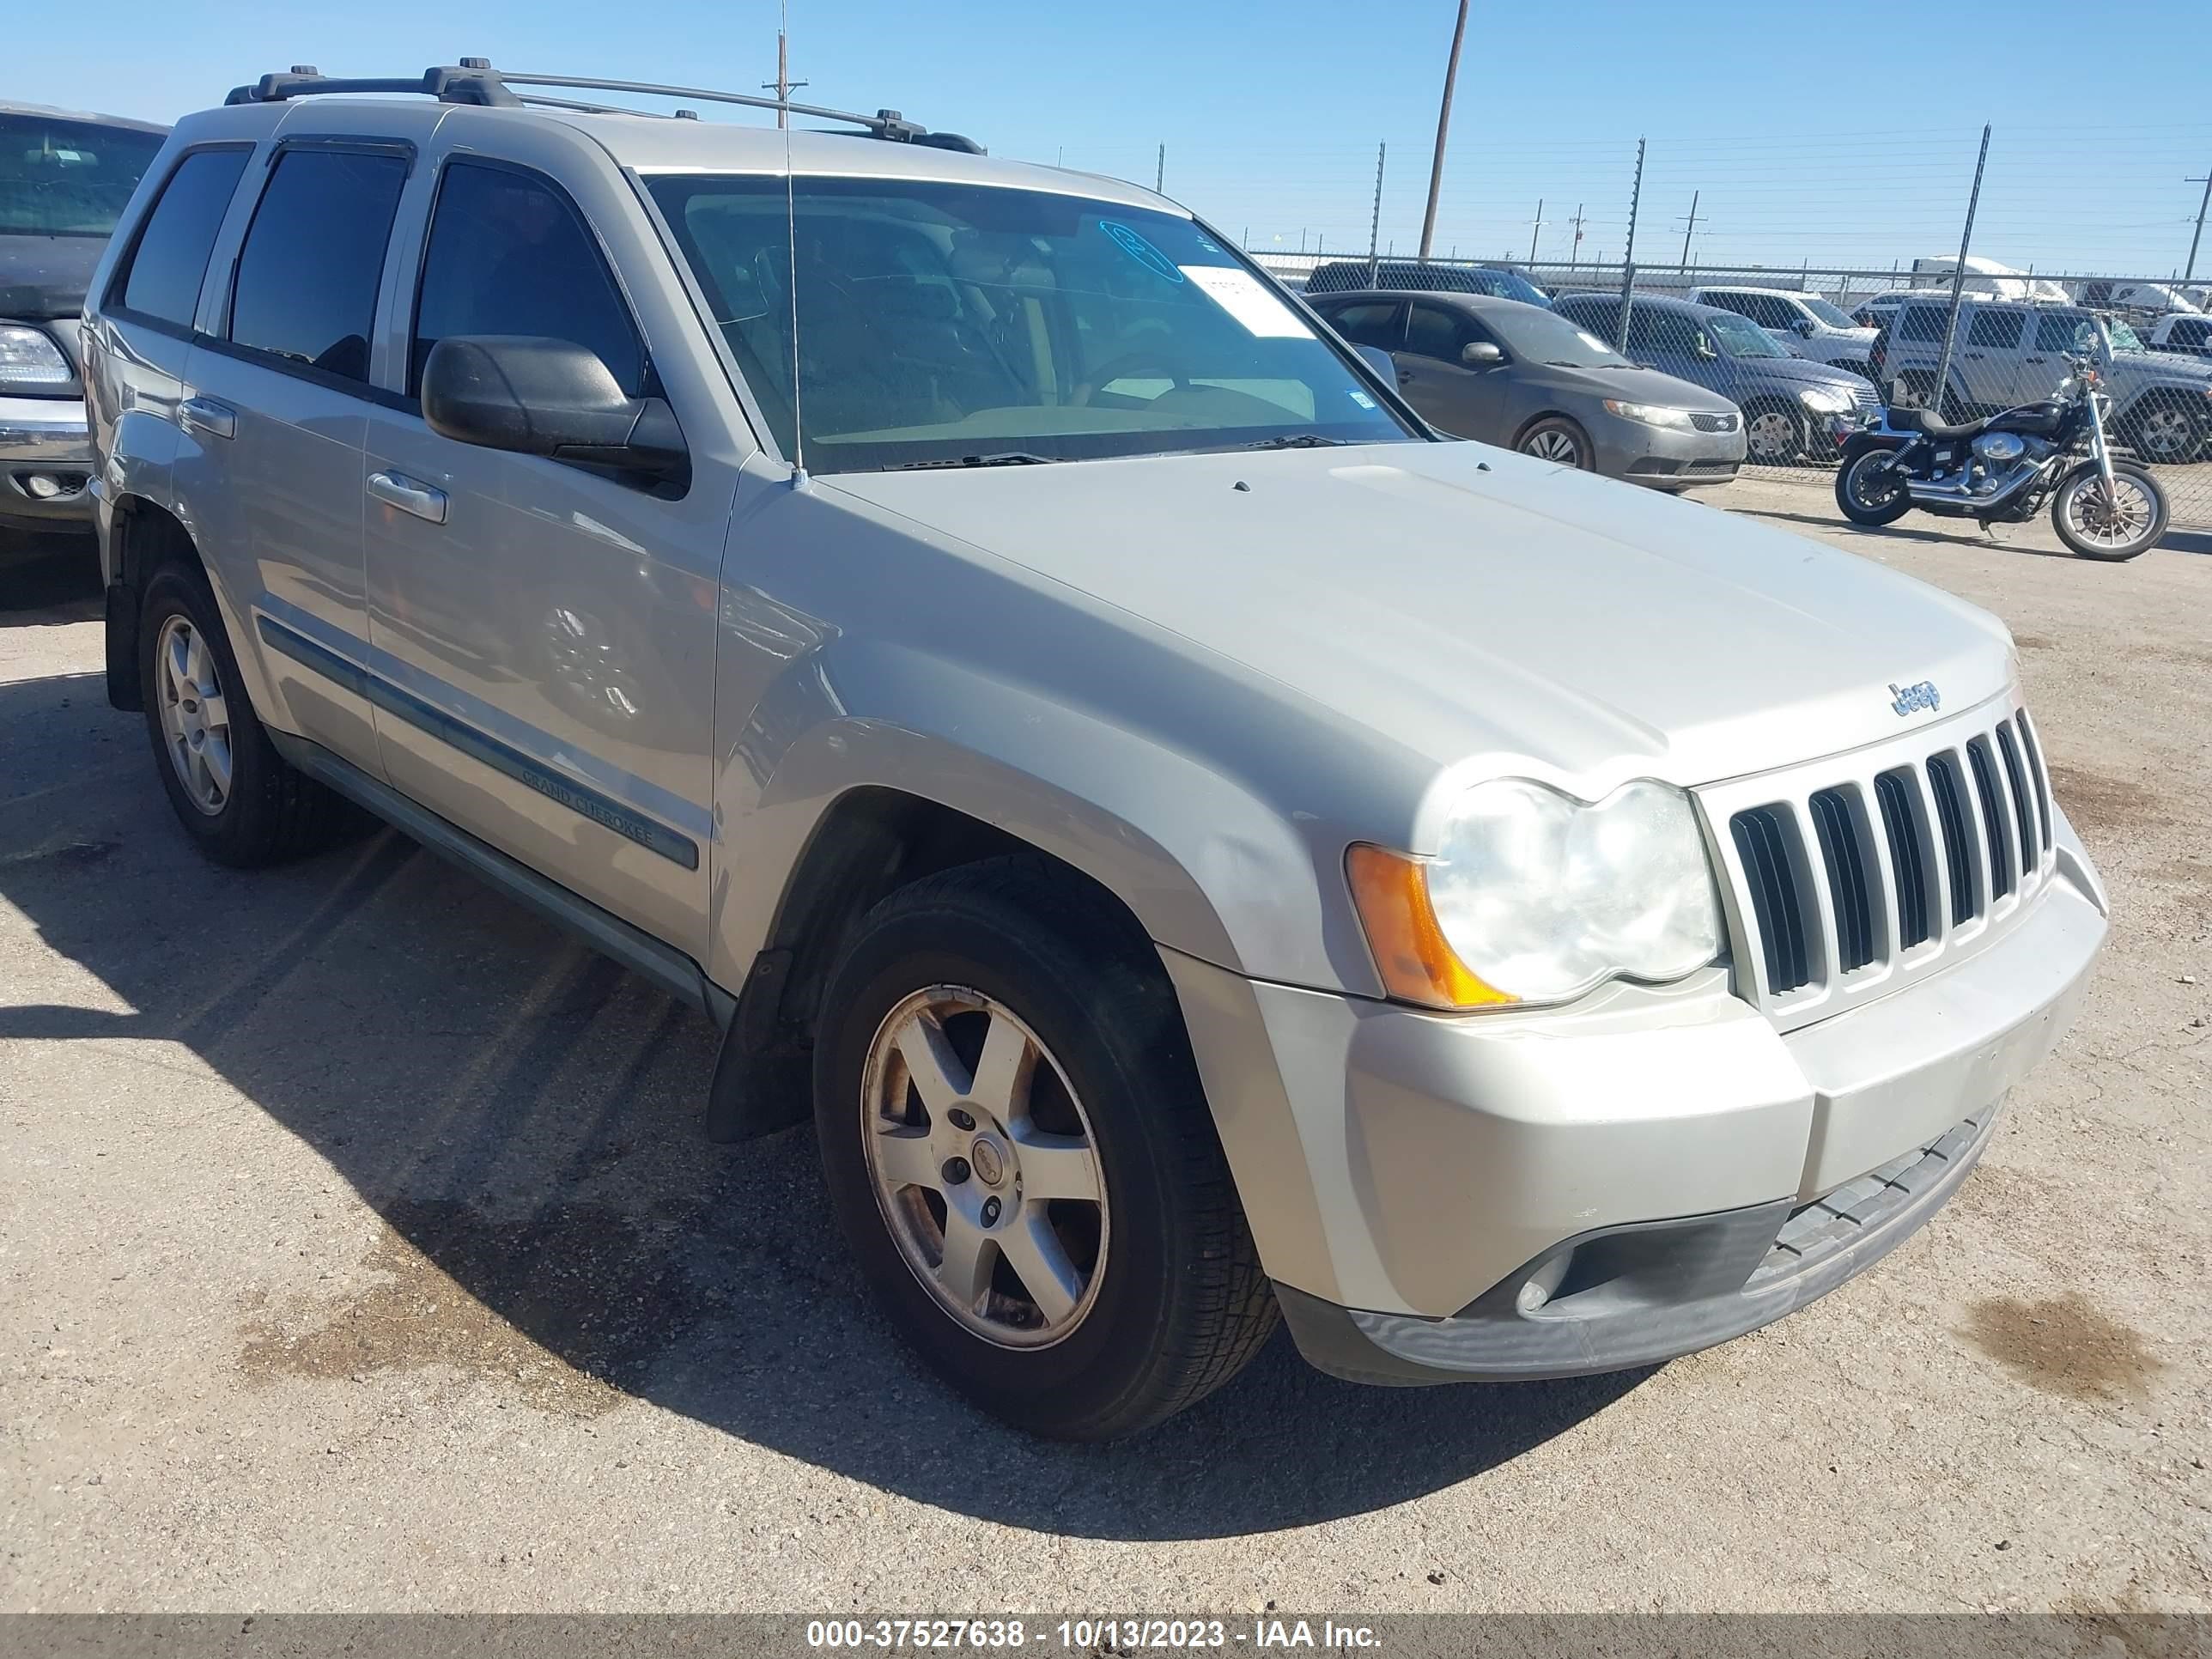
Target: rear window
308 275
60 178
170 262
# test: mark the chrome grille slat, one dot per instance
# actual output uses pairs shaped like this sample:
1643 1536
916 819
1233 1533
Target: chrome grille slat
1844 876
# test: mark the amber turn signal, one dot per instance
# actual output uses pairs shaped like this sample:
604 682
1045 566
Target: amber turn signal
1417 962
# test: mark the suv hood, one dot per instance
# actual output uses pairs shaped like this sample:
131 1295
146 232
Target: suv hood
43 277
1811 370
2162 365
1475 605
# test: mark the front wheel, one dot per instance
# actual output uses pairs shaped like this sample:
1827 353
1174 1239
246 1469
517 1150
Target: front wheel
1775 435
1558 439
1023 1160
2121 524
1871 490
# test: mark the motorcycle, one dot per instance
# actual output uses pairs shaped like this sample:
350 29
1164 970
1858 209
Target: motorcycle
2002 469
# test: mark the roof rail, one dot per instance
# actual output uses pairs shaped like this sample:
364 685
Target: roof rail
473 80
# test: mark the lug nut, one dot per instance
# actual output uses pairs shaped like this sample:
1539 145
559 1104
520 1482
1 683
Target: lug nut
961 1121
954 1171
990 1212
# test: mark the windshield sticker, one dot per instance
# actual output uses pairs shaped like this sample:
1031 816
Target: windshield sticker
1237 292
1363 400
1141 250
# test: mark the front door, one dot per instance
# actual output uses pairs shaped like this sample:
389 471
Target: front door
544 634
1451 396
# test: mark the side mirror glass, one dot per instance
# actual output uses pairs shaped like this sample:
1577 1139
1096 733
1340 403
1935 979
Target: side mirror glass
1802 326
533 396
1480 354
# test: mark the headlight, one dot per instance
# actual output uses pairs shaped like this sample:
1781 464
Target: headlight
1827 401
1534 896
1650 414
31 362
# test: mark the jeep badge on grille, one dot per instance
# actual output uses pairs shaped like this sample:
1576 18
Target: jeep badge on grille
1919 694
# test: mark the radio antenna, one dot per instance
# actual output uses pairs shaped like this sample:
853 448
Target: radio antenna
790 251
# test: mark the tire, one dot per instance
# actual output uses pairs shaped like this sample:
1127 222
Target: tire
1779 428
1861 506
1559 439
2167 436
264 810
1163 1300
2067 509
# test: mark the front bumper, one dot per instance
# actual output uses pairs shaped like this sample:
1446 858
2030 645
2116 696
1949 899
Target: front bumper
1663 457
1496 1196
46 464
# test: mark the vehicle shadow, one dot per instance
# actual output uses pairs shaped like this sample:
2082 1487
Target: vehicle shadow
2174 541
55 579
525 1118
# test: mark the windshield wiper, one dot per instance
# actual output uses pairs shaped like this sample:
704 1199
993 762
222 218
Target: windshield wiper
1007 457
1296 441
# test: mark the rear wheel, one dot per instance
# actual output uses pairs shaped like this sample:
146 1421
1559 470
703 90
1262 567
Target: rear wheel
239 800
1023 1160
1559 439
1871 490
1774 433
2121 524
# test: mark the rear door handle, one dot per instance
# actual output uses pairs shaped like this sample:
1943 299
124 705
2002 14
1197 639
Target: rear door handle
205 415
397 489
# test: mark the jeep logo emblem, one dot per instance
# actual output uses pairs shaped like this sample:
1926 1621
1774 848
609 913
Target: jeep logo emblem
1919 694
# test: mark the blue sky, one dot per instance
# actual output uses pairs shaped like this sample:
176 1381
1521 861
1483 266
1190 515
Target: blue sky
1810 135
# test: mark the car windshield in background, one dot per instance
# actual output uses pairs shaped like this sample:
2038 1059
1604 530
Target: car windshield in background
1834 316
1545 336
941 323
1739 337
1513 285
2124 338
60 178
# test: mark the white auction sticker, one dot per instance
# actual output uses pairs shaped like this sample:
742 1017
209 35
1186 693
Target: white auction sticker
1238 294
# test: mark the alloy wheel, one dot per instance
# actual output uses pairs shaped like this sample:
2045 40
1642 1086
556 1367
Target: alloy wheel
195 715
984 1167
2166 435
2111 519
1553 444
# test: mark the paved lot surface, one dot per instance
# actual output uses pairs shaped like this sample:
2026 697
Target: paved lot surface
359 1249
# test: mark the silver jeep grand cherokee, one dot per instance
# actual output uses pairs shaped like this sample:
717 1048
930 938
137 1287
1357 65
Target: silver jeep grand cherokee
1199 845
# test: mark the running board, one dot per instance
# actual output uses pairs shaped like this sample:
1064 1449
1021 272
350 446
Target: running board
635 948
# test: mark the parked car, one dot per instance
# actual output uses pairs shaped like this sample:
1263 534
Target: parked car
1511 374
1793 410
2180 332
1501 281
2005 356
1195 844
1802 320
63 180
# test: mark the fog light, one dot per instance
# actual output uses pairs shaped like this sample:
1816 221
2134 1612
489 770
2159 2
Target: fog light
44 485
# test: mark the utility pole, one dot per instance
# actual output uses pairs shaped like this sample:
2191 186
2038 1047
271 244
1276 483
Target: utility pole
1690 229
1160 173
1958 282
1535 229
1628 259
2204 203
1574 250
783 86
1374 224
1443 123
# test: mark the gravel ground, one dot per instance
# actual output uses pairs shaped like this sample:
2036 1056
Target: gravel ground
359 1249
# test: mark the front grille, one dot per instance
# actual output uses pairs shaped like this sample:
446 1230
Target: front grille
1866 396
1850 876
1727 422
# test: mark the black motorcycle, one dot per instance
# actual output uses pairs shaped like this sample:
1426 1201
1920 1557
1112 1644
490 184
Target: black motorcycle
2002 469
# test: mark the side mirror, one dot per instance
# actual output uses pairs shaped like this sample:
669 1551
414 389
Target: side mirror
1378 360
533 396
1480 354
1705 349
1803 327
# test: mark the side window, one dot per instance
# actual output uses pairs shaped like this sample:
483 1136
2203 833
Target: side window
308 272
1997 329
1369 325
1602 319
1433 331
2097 294
162 279
2061 331
1921 323
507 255
1771 311
1650 329
1739 303
2191 331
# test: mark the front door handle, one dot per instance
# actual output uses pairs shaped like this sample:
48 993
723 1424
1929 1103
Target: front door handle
1406 377
207 415
397 489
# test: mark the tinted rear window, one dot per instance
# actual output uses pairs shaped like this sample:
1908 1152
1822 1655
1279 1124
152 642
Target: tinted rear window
308 272
170 261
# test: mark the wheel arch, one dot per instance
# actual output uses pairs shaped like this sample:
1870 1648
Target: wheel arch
1538 419
143 537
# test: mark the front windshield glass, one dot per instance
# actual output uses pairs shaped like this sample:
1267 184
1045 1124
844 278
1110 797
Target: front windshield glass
1739 337
68 177
944 322
1545 336
1831 315
2124 338
1513 285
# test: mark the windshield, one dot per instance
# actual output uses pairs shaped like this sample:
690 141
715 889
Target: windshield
1513 285
1832 316
68 177
2124 338
940 323
1545 336
1739 337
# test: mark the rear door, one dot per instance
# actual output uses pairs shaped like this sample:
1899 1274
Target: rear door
279 410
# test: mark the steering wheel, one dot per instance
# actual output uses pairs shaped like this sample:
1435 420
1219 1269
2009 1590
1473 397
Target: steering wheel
1129 365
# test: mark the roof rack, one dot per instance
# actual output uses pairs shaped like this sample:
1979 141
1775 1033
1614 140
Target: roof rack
474 80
